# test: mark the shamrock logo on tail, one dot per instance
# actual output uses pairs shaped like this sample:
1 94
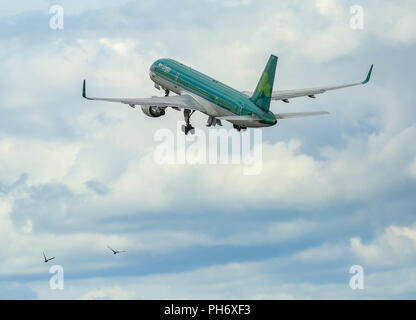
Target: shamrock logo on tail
264 85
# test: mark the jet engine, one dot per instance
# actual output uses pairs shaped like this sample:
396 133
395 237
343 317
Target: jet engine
153 112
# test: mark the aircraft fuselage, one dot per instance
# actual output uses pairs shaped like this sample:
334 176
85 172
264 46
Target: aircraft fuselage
216 99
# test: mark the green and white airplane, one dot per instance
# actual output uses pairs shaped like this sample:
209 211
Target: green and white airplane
198 92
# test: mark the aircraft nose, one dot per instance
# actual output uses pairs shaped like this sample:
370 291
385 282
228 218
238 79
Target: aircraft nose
153 66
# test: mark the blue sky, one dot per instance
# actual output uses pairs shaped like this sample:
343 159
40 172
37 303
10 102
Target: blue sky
335 191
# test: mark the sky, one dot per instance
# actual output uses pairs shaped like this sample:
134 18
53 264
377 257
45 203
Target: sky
334 191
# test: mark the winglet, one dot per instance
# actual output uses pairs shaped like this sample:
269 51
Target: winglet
84 95
368 75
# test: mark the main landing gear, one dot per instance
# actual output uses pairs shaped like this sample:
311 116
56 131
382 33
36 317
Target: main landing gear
212 122
188 128
239 128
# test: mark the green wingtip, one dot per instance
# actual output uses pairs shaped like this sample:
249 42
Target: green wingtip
84 95
368 75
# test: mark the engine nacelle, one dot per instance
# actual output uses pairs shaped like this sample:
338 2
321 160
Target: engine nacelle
153 112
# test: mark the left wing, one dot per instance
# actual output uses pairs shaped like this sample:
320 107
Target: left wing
285 95
182 102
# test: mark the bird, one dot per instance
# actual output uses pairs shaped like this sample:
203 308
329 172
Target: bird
46 259
115 251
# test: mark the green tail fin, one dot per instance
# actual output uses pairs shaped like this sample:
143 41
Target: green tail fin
263 94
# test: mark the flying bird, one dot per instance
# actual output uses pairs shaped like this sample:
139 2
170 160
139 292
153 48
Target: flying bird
115 251
46 259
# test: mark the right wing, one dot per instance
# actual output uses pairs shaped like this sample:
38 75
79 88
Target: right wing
285 95
181 102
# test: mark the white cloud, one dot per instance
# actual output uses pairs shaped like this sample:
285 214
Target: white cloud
232 3
244 280
43 161
325 252
42 6
330 8
113 145
289 178
109 293
277 232
412 167
395 246
396 24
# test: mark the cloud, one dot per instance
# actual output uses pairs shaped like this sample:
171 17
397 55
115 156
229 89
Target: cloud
395 246
277 232
97 187
232 3
412 168
269 279
325 252
329 8
46 161
110 293
16 291
77 175
397 25
289 178
70 8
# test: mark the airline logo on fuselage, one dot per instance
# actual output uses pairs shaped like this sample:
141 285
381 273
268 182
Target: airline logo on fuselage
164 67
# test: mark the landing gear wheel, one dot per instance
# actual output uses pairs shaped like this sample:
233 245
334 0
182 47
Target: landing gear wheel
239 128
188 128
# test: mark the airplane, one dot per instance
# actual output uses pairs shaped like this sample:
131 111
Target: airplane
199 92
46 259
114 251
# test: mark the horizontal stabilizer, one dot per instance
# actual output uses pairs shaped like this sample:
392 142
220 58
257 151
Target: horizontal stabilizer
299 114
